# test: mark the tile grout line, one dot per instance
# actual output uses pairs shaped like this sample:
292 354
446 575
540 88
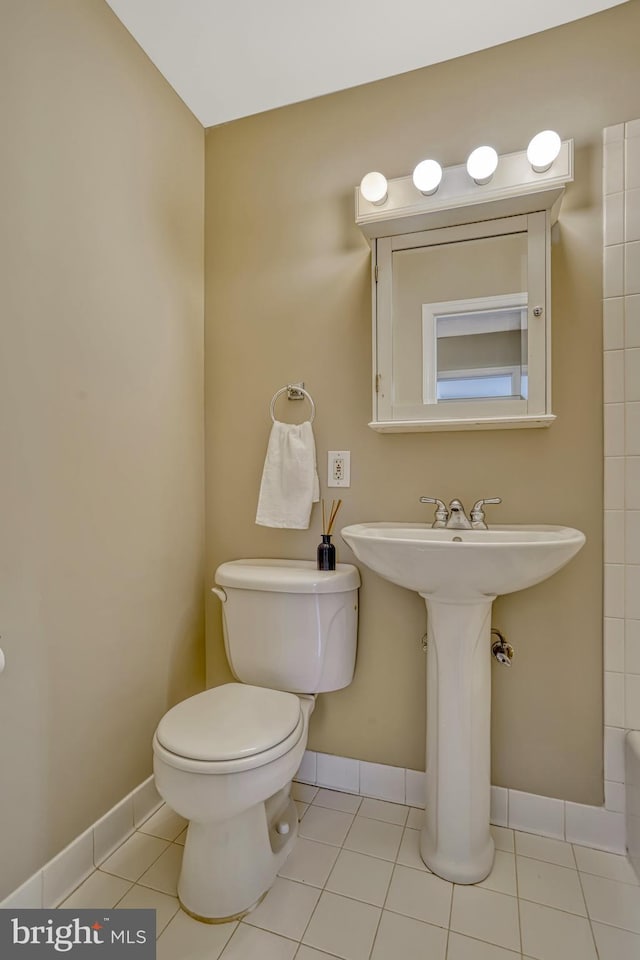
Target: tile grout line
386 896
518 900
324 886
136 883
448 937
586 906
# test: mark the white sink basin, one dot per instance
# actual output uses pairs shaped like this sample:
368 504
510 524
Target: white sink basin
463 564
459 573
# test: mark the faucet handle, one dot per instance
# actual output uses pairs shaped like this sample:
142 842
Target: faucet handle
442 514
477 513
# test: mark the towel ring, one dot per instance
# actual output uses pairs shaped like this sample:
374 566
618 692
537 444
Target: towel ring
288 389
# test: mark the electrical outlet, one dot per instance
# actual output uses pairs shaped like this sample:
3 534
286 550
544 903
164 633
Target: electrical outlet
339 469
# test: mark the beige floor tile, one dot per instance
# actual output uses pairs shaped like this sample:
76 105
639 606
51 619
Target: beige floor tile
503 838
134 856
250 943
334 800
616 944
144 898
361 877
544 848
503 874
422 896
325 826
182 838
549 934
486 915
165 823
409 852
374 838
602 864
309 862
309 953
187 939
301 808
303 791
547 883
464 948
402 938
383 810
101 890
163 874
415 820
345 928
286 909
609 901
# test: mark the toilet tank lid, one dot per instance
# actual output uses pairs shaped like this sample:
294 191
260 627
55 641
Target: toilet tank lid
287 576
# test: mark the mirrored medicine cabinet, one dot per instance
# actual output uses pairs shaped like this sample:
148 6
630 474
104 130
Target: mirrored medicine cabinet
461 293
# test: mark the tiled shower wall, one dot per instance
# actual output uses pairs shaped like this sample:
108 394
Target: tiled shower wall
621 313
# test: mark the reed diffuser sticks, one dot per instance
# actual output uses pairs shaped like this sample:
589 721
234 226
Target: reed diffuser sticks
328 527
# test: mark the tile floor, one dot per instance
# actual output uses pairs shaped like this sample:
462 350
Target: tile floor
354 887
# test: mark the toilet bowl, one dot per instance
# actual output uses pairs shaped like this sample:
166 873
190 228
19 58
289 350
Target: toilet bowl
224 759
242 819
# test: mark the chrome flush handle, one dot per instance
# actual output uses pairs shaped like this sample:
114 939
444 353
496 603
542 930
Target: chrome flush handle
477 513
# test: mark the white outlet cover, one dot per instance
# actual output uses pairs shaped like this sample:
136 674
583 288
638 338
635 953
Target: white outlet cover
339 468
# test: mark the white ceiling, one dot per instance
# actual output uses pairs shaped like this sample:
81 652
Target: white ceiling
231 58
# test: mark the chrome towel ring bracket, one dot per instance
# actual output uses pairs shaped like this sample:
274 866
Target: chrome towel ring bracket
294 391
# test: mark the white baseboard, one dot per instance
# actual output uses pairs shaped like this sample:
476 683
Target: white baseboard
575 822
50 885
579 823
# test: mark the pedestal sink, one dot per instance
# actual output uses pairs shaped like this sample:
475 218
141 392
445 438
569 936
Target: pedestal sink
459 573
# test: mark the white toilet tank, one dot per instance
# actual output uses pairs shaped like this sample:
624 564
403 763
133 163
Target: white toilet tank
288 625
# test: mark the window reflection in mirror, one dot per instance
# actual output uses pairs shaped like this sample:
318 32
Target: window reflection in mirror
475 349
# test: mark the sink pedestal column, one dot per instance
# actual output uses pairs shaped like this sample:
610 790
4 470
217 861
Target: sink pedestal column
456 842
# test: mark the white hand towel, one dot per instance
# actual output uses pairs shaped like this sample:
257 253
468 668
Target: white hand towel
289 480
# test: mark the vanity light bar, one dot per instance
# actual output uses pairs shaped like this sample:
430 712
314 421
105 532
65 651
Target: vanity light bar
481 166
481 188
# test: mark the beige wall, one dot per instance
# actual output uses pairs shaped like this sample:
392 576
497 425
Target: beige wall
101 492
288 298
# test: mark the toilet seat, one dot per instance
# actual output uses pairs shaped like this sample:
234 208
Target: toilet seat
230 728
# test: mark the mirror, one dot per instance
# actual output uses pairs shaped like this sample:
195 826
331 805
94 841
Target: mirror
475 349
461 326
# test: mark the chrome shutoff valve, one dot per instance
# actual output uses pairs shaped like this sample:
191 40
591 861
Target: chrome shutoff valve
501 649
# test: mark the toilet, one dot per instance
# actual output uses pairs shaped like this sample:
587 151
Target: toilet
224 759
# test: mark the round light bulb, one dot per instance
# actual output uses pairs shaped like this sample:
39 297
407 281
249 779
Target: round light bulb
373 187
427 176
543 150
482 164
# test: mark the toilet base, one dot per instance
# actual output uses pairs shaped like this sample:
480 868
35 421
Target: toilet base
228 866
232 919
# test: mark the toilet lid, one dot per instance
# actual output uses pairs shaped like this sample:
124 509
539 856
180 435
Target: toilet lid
228 722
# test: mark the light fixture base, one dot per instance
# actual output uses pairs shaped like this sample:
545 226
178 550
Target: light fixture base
514 188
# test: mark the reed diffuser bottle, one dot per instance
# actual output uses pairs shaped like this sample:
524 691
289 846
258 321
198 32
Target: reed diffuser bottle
326 549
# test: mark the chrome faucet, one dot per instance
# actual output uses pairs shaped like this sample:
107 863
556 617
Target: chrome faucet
458 520
455 518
